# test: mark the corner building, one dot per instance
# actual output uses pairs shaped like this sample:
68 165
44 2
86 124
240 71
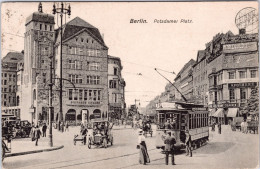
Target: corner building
85 65
232 72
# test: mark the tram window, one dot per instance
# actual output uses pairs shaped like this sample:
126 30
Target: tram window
189 121
194 121
203 120
199 120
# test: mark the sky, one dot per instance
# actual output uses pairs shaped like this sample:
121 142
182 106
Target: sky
141 46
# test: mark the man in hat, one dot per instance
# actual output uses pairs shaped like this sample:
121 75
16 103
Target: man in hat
169 142
188 143
167 124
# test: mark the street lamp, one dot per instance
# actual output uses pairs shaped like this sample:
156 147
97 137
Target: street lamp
50 102
62 10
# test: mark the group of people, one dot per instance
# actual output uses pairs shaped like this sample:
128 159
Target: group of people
218 125
169 124
169 141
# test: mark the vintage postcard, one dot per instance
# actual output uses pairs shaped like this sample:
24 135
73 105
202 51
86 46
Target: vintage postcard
130 85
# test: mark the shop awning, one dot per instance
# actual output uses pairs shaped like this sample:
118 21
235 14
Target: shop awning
211 112
232 112
218 113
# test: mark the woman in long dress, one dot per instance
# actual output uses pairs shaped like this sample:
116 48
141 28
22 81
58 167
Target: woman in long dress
143 154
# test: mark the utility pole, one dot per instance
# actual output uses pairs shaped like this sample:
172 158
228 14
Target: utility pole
50 102
62 11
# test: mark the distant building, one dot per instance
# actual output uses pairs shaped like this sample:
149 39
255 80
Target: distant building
116 86
200 79
184 82
9 87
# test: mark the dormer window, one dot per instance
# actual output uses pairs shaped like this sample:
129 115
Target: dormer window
82 40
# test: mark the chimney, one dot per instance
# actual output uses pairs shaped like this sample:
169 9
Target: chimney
242 31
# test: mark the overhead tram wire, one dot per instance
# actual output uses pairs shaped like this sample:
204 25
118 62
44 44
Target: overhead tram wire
171 84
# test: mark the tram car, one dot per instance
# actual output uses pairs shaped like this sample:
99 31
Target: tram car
182 116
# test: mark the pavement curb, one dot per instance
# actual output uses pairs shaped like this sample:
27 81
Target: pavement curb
34 151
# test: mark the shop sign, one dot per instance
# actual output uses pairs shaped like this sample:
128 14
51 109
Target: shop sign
84 102
239 85
199 109
240 47
229 105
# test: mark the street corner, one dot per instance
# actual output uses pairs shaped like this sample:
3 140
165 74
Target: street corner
35 151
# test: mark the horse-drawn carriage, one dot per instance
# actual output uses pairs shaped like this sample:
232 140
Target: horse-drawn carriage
100 134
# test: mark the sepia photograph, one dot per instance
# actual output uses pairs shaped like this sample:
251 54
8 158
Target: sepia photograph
116 85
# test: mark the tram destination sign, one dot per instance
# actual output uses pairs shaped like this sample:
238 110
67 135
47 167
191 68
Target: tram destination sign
239 85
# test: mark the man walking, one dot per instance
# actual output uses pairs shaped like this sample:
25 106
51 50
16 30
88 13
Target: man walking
219 128
188 144
44 128
169 148
37 134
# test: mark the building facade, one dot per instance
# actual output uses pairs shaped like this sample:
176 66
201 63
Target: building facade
200 79
85 66
232 72
184 82
116 86
9 86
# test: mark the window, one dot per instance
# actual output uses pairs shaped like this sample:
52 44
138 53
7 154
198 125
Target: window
99 95
72 50
231 75
46 27
75 79
40 26
72 64
78 64
44 77
80 94
70 94
80 51
90 94
112 84
115 98
91 52
5 74
50 28
231 94
76 91
242 94
14 77
93 80
253 73
98 52
82 40
4 96
94 66
10 88
13 88
94 95
242 74
88 79
5 82
85 95
115 71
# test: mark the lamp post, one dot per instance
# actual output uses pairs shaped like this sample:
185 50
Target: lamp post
50 104
62 11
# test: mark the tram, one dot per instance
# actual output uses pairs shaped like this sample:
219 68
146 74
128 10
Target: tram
183 116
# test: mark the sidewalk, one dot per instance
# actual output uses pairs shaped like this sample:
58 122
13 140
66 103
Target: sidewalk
23 146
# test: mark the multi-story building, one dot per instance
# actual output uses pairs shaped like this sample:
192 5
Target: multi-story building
232 72
9 83
200 79
116 86
85 65
184 82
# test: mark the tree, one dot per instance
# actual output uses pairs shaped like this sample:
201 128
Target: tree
252 106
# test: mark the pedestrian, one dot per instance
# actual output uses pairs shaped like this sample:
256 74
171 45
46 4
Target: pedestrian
167 124
143 154
67 126
37 135
44 128
169 142
219 128
213 126
84 133
245 127
188 143
32 132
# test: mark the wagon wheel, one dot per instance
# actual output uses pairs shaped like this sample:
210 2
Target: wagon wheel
3 153
105 142
89 143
